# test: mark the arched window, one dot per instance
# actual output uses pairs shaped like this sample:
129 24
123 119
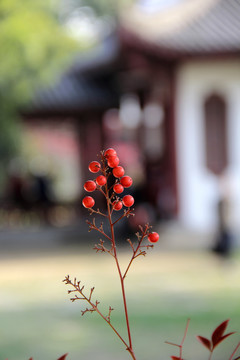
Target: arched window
216 134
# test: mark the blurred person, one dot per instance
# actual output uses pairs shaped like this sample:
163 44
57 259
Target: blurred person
40 193
223 241
15 193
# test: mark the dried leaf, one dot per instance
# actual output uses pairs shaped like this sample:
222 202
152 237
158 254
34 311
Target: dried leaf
222 338
63 357
218 332
204 341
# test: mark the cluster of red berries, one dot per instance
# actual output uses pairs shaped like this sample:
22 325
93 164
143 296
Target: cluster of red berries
124 181
118 172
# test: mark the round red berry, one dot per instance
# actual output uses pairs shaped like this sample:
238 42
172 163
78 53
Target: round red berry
118 188
113 161
118 171
101 180
153 237
128 200
90 185
117 205
110 152
94 166
88 202
126 181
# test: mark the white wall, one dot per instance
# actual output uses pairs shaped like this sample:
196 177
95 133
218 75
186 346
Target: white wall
198 187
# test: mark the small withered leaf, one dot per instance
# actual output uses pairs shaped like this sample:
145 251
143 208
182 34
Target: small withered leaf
63 357
218 332
204 341
222 338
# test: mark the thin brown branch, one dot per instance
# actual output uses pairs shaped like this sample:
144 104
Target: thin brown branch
129 348
94 307
92 211
109 313
235 350
185 333
101 248
101 190
135 252
93 226
182 342
126 213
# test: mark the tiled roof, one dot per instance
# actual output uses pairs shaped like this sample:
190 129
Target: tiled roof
72 94
190 27
187 28
85 86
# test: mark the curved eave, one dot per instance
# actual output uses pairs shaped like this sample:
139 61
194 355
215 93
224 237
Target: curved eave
134 41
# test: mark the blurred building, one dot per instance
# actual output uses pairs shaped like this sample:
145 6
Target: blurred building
164 90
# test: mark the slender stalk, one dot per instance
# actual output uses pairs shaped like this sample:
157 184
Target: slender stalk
235 350
129 348
183 339
135 251
123 290
94 306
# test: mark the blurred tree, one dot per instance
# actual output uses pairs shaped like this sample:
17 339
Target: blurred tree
91 18
100 7
35 47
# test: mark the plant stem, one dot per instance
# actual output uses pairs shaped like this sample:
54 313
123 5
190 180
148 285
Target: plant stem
235 350
94 306
135 251
104 318
129 348
210 357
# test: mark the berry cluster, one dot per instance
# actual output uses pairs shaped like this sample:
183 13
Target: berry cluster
111 181
109 166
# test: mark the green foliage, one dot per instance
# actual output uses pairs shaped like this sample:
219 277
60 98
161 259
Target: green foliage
34 49
101 8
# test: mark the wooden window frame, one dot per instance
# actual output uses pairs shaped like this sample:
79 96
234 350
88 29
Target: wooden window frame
216 144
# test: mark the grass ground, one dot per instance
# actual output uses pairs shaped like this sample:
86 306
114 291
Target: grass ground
164 289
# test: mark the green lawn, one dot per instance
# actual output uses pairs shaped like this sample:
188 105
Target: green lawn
164 289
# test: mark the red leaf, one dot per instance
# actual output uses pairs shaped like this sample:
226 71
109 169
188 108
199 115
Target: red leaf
218 332
222 338
63 357
204 341
175 358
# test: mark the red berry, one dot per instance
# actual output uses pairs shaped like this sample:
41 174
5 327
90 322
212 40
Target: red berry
88 202
128 200
118 188
90 185
110 152
101 180
153 237
126 181
94 166
117 205
118 171
113 161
